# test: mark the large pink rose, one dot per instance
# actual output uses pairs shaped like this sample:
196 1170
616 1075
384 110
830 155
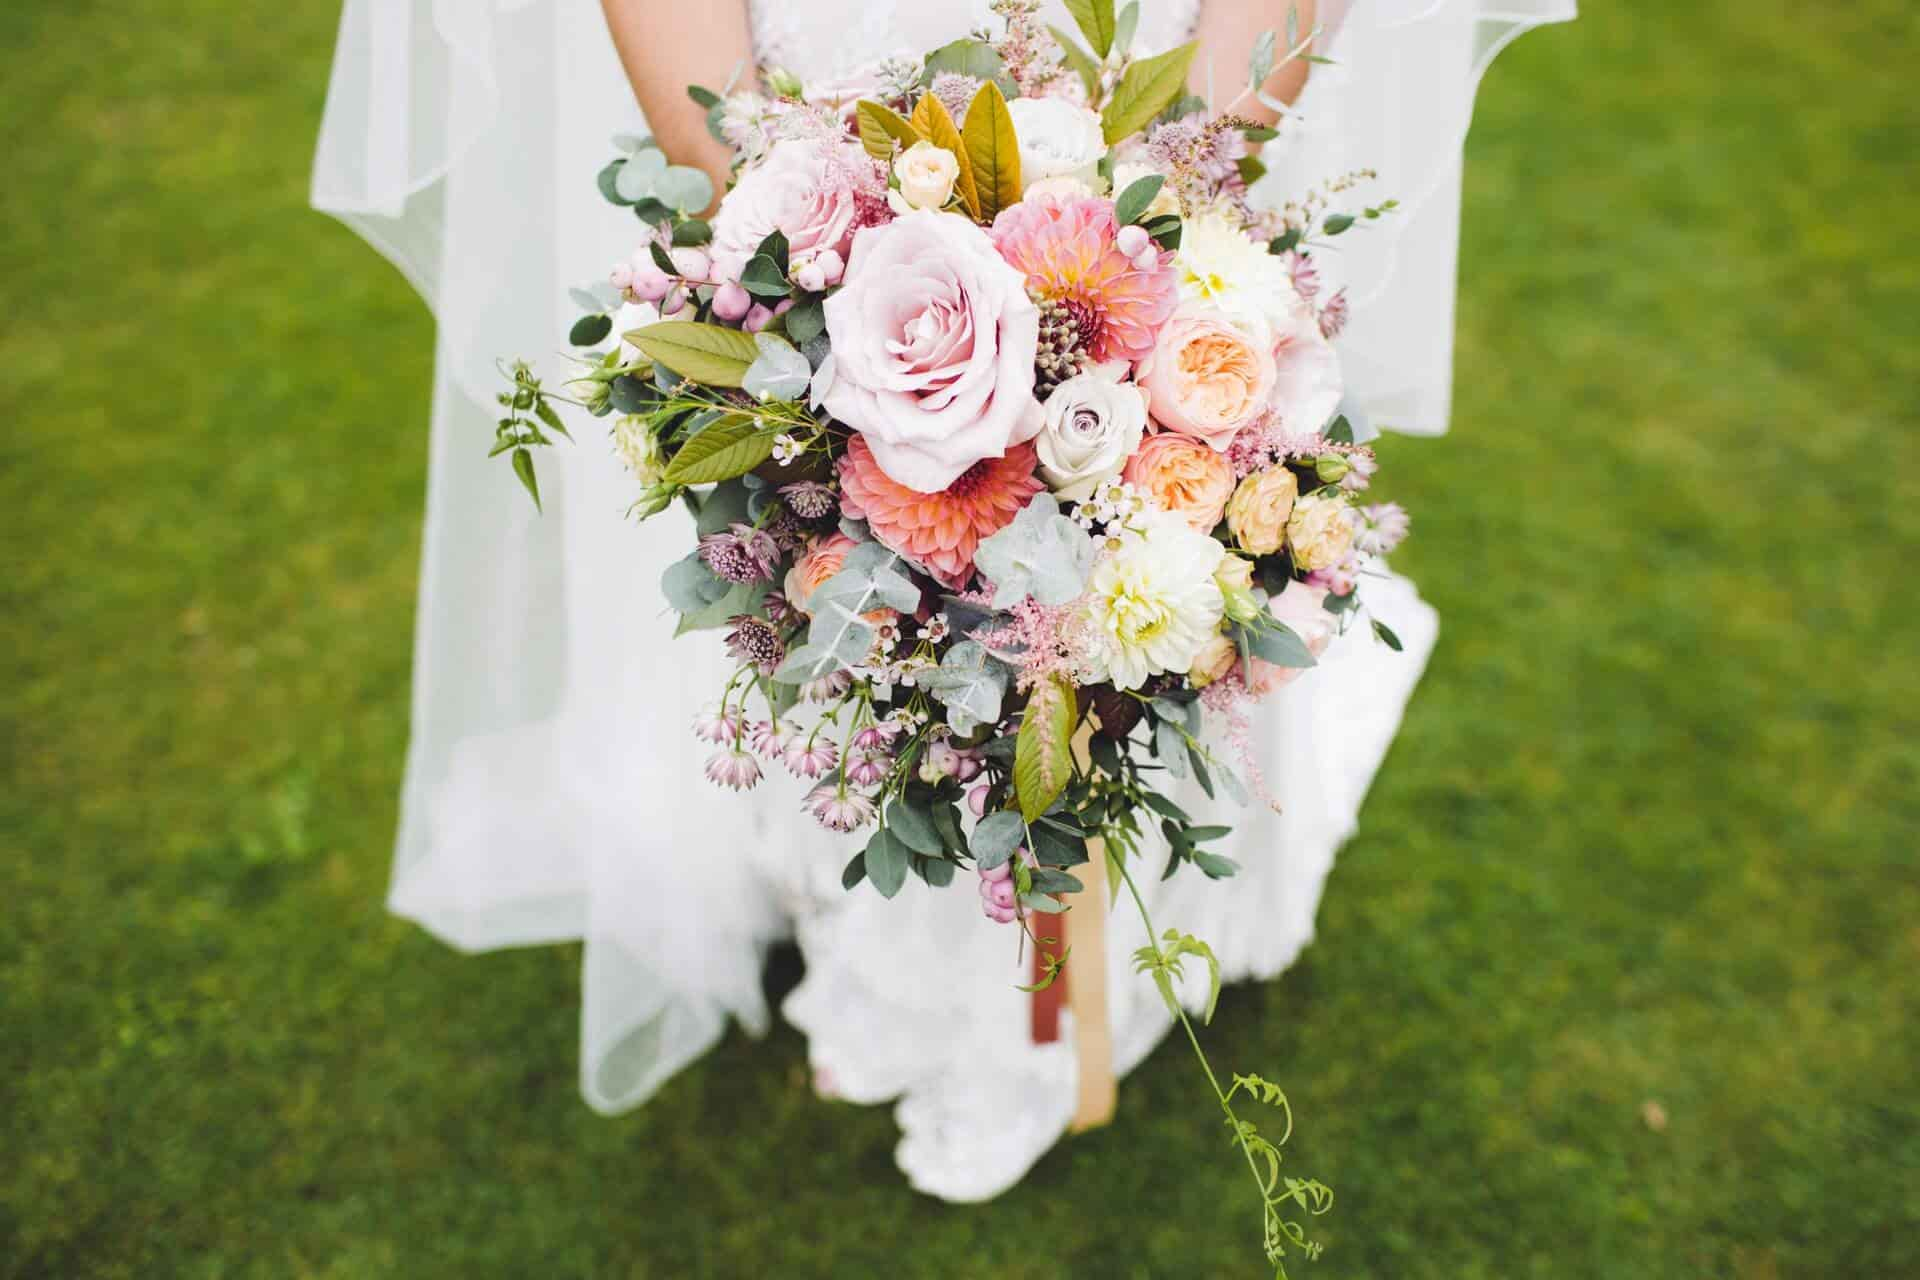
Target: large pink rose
1206 377
1307 385
789 191
933 344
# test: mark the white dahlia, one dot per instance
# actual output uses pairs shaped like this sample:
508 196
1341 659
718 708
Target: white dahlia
1152 603
1220 264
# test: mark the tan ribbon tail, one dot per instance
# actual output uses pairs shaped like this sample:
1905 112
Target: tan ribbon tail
1086 933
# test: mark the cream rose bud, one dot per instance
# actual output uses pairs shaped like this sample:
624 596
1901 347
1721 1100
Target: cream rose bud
926 174
1258 512
1234 577
1058 138
1320 532
1093 423
1215 659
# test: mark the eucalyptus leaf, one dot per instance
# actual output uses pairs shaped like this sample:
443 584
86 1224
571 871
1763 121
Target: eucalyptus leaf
639 178
779 372
741 597
970 682
683 187
1260 60
1171 746
886 863
1040 553
1279 644
914 827
995 838
690 585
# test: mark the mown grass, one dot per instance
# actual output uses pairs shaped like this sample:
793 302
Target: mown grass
1649 834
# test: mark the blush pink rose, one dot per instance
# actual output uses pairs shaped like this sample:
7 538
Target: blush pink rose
1307 384
1301 608
790 191
933 345
1205 377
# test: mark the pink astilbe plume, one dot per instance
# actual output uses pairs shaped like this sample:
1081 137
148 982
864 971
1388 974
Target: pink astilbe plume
939 531
1040 641
1068 251
1229 698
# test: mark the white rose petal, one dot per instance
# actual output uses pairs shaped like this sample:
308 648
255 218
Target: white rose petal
1057 139
1093 423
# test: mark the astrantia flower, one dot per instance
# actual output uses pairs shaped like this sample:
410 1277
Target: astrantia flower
828 688
1333 316
755 640
810 759
768 738
741 553
938 531
1383 527
1068 252
719 726
808 499
1152 604
838 809
734 770
866 767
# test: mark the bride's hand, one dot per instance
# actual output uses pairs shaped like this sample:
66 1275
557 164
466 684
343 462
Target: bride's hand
666 45
1227 31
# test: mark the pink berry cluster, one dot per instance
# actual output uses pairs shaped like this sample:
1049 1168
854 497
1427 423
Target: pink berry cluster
641 279
997 894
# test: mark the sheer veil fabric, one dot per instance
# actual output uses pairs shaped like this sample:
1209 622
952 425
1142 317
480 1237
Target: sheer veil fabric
552 791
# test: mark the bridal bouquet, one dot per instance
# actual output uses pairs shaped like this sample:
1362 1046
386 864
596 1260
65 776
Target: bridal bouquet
1009 428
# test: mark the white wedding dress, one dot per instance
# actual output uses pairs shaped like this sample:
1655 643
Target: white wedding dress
553 792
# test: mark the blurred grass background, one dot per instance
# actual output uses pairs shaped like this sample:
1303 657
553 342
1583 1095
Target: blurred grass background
1645 849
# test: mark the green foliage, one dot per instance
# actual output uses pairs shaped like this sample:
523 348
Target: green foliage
727 447
705 353
1145 89
1043 758
1647 833
882 130
993 151
1096 21
1078 60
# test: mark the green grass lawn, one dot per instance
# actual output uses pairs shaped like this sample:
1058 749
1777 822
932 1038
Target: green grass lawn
1648 837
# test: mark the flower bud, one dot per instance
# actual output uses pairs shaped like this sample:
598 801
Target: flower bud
1132 241
1331 467
758 318
649 283
783 83
692 264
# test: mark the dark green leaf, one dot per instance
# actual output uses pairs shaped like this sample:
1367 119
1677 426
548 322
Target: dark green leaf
1335 223
1386 635
1134 200
763 279
855 872
627 394
937 872
996 837
1341 431
914 828
807 321
886 863
704 96
1048 880
588 330
608 181
693 231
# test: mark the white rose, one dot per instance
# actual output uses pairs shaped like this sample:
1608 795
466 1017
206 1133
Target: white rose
1093 424
1057 138
927 174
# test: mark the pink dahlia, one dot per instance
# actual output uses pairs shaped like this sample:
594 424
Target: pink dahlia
1069 251
938 531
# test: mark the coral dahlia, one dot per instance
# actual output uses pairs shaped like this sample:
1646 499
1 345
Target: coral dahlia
1068 250
938 531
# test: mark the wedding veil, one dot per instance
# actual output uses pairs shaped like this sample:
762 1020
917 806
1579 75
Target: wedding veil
550 794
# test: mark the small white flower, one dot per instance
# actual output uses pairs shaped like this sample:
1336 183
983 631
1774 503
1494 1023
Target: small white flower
785 449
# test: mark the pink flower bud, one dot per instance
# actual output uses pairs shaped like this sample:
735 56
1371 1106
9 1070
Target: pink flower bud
758 318
977 800
650 283
692 264
1132 241
832 265
621 275
731 303
674 302
811 277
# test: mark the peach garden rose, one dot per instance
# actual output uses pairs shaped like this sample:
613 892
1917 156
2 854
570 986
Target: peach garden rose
1182 476
1205 377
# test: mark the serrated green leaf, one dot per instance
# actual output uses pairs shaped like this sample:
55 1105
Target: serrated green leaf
704 353
881 127
993 149
1043 756
1096 21
1147 88
730 447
